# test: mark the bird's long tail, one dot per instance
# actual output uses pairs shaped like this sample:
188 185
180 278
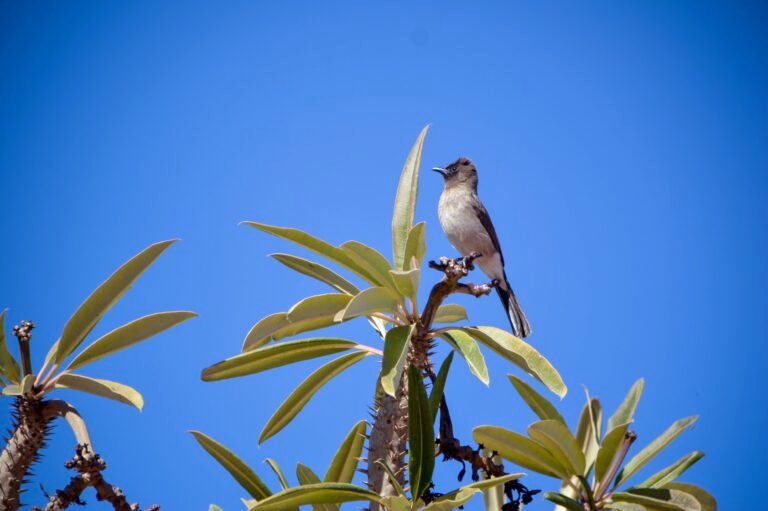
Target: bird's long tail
520 326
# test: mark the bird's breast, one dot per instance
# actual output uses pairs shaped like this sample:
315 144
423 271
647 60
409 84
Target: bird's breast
461 226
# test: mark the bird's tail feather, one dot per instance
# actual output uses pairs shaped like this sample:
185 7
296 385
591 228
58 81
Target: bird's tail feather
520 326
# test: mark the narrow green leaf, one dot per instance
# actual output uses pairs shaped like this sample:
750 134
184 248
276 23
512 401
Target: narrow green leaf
625 506
373 261
314 244
12 390
588 430
306 476
521 354
278 472
450 313
395 352
540 405
396 503
295 402
323 493
275 355
520 450
26 385
658 499
406 282
309 314
104 297
563 500
421 436
103 388
607 451
626 410
470 352
405 201
556 438
214 507
462 495
439 386
415 247
392 477
672 472
344 463
368 301
654 448
317 271
706 501
243 474
128 335
9 368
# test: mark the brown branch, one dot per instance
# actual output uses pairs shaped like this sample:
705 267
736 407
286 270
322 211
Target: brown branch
24 334
89 467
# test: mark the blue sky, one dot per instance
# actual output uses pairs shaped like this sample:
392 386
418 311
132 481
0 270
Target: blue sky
622 152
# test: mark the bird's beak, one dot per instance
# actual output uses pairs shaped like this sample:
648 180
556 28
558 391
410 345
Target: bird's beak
440 170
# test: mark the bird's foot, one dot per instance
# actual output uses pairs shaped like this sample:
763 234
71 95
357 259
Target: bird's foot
476 290
468 260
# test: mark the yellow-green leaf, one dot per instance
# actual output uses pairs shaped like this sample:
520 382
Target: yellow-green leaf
415 247
706 501
520 450
405 201
104 297
607 451
128 335
421 435
322 493
242 473
314 244
103 388
406 282
588 430
658 499
306 475
564 501
540 405
450 313
9 368
369 301
521 354
344 463
373 261
654 448
626 410
309 314
278 472
672 472
556 438
395 352
470 352
295 402
435 397
275 355
317 271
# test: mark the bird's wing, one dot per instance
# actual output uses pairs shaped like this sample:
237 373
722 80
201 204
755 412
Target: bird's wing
485 219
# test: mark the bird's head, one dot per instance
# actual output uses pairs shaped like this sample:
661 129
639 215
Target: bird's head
461 172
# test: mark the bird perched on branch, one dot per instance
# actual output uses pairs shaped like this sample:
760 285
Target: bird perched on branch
468 226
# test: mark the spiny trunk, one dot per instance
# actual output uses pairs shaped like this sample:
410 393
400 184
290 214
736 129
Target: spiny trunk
30 429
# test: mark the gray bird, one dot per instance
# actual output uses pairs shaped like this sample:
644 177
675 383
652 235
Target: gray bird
468 226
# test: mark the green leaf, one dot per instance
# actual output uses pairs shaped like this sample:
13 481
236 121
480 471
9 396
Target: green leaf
588 430
416 246
314 244
450 313
295 402
27 384
470 352
306 476
406 282
672 472
706 501
12 390
395 352
9 368
540 405
658 499
278 472
556 438
237 468
396 503
521 354
392 477
275 355
563 500
368 301
462 495
493 498
405 201
317 271
626 410
625 506
373 261
607 452
421 436
654 448
437 388
344 463
103 388
104 297
520 450
311 313
214 507
128 335
323 493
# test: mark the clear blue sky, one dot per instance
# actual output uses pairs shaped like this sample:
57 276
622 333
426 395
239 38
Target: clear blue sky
622 150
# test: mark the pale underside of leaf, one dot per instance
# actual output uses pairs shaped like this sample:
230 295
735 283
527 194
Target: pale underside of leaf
405 201
103 388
